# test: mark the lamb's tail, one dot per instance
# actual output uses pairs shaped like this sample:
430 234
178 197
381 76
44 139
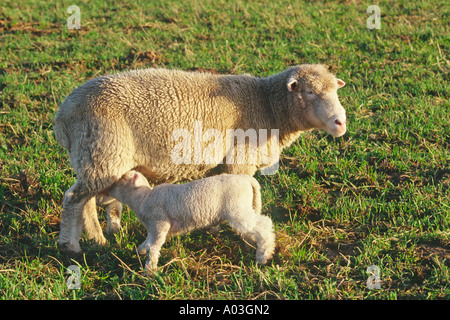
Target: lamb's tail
256 195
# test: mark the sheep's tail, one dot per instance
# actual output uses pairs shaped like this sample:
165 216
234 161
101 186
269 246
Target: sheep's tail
256 195
61 135
64 119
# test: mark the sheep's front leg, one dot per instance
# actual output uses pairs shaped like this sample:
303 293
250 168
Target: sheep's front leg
91 224
114 215
157 233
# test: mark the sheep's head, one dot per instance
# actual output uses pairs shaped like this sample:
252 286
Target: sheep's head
317 89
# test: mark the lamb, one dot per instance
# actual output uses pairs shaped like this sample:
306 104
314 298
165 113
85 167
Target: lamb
116 123
171 209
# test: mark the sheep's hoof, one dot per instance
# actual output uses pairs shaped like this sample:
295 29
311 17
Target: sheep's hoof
99 240
142 249
72 249
112 228
150 267
214 230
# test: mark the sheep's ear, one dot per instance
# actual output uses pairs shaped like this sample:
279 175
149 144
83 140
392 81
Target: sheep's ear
292 84
340 83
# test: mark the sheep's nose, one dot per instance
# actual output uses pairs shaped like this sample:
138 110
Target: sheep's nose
338 122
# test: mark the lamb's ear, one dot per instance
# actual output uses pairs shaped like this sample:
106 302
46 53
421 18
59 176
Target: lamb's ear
135 179
292 84
340 83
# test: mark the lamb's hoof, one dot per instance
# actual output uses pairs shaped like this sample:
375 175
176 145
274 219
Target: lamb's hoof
261 262
262 259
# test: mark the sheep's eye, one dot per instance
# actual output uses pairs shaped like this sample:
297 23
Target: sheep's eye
309 92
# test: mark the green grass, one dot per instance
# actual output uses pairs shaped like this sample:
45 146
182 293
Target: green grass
377 196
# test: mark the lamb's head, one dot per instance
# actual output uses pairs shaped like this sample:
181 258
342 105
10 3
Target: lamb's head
316 91
128 183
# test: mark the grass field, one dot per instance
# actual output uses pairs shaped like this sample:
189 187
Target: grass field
377 196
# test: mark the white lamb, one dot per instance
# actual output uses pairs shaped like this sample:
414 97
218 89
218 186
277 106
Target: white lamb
180 209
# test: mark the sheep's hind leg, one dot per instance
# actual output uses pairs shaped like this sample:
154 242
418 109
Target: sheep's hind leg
78 210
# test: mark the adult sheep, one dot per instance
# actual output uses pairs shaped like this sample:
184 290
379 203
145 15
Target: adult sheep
116 123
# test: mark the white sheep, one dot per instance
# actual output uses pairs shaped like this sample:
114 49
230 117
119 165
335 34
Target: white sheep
115 123
176 209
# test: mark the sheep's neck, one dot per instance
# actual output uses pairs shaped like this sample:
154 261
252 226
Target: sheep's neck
277 108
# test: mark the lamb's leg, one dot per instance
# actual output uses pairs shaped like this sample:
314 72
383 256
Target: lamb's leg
265 239
157 233
257 227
